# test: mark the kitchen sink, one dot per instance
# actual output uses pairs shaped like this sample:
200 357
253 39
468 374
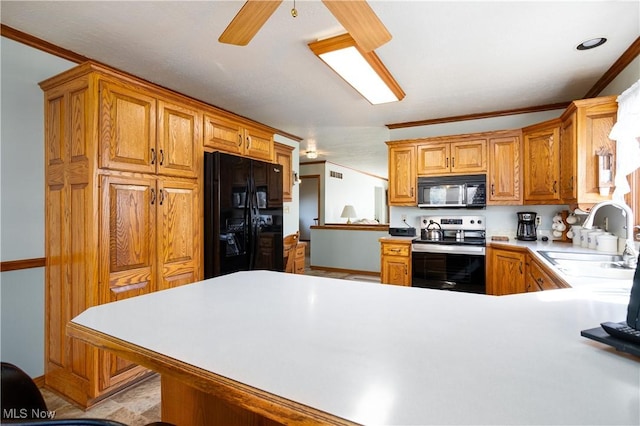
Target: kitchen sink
598 265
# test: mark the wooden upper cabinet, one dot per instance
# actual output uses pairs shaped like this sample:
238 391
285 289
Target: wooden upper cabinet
236 138
402 175
223 135
469 156
446 157
568 164
140 133
283 156
588 123
504 170
258 144
433 158
127 128
179 140
542 163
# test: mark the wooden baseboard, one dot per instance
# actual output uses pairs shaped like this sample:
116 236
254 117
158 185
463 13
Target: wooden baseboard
39 381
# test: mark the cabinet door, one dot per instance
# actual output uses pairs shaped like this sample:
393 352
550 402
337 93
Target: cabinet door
507 272
283 157
504 171
542 166
223 135
434 159
128 213
395 270
179 140
469 156
179 235
127 129
568 170
594 125
258 144
402 176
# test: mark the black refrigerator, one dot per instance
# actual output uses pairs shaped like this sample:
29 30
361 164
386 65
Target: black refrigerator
242 215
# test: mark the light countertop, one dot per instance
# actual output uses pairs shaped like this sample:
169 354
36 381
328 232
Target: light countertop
381 354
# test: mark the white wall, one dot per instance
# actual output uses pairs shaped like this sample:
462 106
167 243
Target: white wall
355 188
22 200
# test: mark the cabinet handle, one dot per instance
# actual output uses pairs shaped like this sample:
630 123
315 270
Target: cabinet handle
520 267
161 197
153 196
395 250
411 192
153 156
406 270
161 157
447 162
453 161
248 142
239 140
540 280
493 188
555 186
571 183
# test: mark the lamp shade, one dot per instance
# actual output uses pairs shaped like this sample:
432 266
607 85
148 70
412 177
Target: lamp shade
348 211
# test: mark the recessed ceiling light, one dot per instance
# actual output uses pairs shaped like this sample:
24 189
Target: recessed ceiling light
590 44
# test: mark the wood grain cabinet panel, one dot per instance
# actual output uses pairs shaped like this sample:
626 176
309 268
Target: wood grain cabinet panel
402 175
506 271
542 163
283 156
235 137
504 170
178 210
128 128
395 262
179 140
586 125
457 156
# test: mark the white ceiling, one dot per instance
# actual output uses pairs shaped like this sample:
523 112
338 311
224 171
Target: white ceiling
450 57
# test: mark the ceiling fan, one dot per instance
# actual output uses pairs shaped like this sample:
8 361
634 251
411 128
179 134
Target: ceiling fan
356 16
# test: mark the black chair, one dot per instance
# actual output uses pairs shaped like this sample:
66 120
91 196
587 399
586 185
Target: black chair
22 403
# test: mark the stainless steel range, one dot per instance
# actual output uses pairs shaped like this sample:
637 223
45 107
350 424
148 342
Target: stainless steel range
450 253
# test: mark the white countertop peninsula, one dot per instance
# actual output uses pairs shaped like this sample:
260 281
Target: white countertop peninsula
353 352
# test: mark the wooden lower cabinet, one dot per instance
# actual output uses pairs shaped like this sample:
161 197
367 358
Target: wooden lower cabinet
512 270
395 262
506 271
538 279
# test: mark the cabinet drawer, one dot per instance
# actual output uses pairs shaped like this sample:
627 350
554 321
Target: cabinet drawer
541 278
396 249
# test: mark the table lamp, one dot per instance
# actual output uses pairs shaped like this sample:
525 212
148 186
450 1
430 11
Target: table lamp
348 212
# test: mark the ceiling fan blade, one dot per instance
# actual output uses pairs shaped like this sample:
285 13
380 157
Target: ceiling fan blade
357 17
248 21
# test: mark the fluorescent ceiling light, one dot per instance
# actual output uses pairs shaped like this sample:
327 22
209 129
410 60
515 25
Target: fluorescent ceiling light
364 71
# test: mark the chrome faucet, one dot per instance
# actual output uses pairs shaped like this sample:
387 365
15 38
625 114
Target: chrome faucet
629 255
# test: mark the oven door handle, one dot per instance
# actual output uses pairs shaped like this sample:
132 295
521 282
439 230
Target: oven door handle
454 249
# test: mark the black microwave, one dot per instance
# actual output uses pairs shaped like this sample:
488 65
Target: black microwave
452 191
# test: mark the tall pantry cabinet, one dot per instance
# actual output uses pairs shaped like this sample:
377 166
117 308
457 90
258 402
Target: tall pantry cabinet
122 161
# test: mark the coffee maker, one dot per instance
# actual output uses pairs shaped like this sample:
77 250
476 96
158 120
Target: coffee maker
526 226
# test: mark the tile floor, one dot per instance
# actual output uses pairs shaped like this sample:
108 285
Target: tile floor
140 404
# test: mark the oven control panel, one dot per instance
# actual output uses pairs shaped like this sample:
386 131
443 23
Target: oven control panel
467 223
